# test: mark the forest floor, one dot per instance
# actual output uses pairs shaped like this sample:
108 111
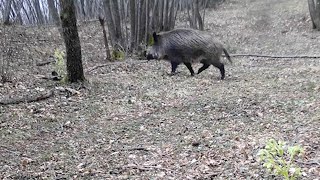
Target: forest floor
134 121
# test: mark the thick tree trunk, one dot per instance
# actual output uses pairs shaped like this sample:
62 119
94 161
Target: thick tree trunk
72 42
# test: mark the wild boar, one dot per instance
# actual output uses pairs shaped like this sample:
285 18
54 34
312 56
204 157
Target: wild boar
188 46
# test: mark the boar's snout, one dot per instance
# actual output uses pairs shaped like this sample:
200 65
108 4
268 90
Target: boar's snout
149 57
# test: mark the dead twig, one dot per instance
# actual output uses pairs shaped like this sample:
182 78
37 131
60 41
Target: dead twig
27 99
314 162
146 168
44 63
274 56
136 149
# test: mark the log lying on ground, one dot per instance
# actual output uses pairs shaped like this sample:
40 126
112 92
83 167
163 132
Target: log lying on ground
27 99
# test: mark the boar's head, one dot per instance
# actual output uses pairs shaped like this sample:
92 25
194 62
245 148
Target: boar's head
155 51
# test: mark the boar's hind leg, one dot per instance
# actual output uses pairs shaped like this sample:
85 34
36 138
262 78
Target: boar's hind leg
174 66
220 66
204 67
190 68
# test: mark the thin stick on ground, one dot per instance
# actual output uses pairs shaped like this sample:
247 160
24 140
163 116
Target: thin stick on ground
146 168
136 149
274 56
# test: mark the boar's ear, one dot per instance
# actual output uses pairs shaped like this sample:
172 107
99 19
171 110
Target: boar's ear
155 37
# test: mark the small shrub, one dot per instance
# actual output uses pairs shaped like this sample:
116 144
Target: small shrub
60 65
117 55
150 40
279 159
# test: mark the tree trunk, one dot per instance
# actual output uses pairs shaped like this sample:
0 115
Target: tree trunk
53 12
147 21
197 15
171 16
40 18
132 23
101 20
314 9
18 6
7 12
72 42
161 14
109 19
142 20
154 17
117 23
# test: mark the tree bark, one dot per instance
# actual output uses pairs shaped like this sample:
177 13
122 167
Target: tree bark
132 24
117 23
40 18
314 9
72 42
105 38
7 12
53 12
197 15
18 6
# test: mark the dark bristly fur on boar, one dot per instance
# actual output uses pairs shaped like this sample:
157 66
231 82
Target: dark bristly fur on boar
188 46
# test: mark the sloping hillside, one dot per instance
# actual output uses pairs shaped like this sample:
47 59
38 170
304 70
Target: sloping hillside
133 121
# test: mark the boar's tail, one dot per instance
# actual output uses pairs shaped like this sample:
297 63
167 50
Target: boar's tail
227 54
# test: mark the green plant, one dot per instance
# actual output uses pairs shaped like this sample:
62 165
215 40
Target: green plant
60 65
117 55
150 40
279 159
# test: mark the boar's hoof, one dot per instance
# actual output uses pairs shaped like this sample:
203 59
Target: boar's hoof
172 73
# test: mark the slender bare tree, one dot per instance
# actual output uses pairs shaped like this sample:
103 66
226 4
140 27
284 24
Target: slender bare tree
7 11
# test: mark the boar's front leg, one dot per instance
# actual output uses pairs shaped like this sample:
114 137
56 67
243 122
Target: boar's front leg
190 68
174 66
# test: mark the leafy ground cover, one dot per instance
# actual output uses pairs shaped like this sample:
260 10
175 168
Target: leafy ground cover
133 121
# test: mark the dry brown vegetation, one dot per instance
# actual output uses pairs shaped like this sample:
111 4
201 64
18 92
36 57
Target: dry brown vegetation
133 121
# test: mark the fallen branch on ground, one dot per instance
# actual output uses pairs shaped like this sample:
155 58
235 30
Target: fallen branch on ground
274 56
135 149
44 63
314 162
147 168
27 99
